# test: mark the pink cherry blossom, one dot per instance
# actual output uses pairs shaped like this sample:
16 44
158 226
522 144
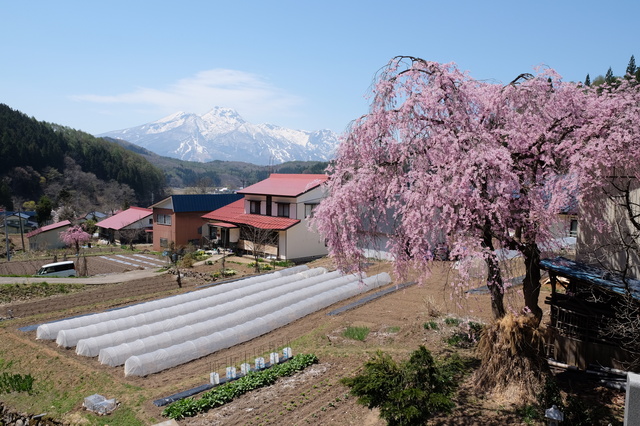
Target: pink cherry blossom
443 160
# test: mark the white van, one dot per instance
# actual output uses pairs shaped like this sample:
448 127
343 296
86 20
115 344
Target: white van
58 269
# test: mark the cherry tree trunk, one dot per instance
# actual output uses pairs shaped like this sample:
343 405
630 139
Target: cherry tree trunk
531 282
494 278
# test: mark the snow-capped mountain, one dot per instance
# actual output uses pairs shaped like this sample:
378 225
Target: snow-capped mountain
221 134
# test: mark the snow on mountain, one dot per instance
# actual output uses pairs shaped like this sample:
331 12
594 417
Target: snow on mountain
222 134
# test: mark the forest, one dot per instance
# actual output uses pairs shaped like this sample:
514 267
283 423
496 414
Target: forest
40 159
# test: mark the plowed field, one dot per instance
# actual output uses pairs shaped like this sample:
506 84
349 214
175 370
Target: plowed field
315 396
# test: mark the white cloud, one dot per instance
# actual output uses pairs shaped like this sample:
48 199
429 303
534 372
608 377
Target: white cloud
250 94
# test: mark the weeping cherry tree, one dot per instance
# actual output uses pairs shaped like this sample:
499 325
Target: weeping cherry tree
442 159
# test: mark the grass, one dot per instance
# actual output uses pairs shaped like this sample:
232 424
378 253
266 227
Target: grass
356 333
451 321
430 325
13 292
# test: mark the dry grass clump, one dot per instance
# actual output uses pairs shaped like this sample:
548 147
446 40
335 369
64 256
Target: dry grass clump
513 366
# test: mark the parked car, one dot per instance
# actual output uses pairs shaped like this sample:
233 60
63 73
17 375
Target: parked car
58 269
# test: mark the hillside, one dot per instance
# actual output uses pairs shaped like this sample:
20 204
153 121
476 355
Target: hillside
231 174
39 158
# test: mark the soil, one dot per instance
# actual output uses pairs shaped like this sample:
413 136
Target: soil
315 396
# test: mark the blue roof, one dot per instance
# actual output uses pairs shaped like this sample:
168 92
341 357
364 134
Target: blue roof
202 202
592 275
24 215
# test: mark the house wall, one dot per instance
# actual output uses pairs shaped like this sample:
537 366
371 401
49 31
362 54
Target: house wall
299 242
562 227
598 247
184 228
188 227
47 240
161 231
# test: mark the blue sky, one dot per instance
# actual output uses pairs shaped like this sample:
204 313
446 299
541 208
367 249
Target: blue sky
101 66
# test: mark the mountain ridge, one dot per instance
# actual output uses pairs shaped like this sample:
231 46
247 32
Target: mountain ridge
222 134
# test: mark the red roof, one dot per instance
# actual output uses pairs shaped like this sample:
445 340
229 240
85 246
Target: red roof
48 228
285 185
125 218
234 213
223 225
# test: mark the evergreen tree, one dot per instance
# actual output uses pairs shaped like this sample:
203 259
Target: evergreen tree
587 81
5 195
631 68
609 78
43 210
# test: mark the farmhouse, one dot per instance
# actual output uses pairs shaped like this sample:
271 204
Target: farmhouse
48 237
272 218
132 225
178 218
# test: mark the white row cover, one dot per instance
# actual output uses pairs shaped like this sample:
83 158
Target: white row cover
50 330
247 309
232 291
177 318
161 359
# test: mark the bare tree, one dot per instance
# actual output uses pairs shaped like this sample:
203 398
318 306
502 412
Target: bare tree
115 195
130 236
259 241
202 186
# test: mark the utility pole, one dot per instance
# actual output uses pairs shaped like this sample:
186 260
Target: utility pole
6 235
21 228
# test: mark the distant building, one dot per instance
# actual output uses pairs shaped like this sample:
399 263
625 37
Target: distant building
18 222
94 215
48 237
132 225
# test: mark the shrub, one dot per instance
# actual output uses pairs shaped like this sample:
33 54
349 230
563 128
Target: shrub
356 333
468 336
408 393
430 325
452 321
550 394
187 260
529 413
15 383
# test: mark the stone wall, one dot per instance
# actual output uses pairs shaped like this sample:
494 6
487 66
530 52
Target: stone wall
10 417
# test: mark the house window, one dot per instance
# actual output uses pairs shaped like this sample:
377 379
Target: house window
308 209
164 242
150 221
573 228
283 210
254 207
163 219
